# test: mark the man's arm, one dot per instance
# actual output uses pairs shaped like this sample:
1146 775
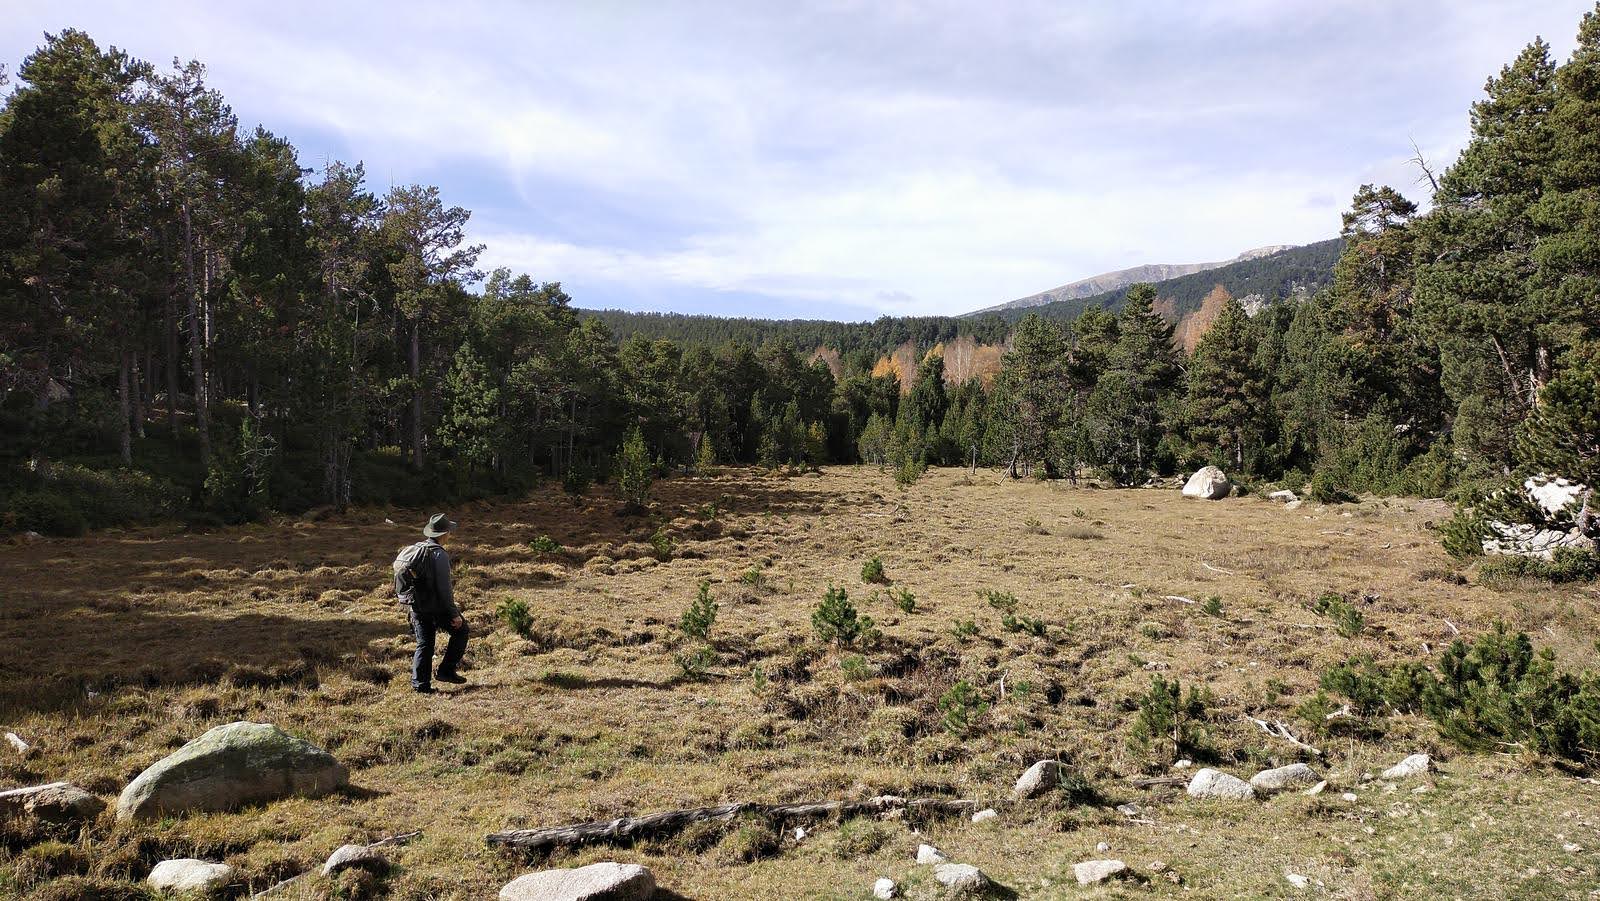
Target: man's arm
444 595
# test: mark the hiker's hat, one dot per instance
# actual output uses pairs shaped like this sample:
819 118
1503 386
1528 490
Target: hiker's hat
437 525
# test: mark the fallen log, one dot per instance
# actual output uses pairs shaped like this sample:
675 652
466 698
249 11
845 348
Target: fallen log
1154 781
670 822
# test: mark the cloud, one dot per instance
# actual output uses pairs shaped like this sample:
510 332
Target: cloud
875 156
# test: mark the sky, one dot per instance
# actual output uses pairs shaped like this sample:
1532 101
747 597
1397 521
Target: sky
846 160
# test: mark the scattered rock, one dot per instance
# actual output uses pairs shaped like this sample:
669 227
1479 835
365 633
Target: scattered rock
229 766
1091 871
1283 495
984 815
1158 866
1316 789
363 856
17 744
1129 810
190 875
800 832
57 803
1102 847
595 882
1298 881
1183 764
1210 783
1349 796
928 854
1038 779
1270 782
963 878
1415 765
1210 483
1294 504
885 888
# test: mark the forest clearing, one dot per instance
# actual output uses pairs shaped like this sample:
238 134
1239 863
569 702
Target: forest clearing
1054 605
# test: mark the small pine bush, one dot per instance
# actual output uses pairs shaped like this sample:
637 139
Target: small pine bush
855 668
960 706
1028 624
662 544
696 663
701 615
1327 487
1346 618
635 472
1170 724
1566 564
964 629
1003 601
904 599
836 620
544 544
514 613
47 513
872 571
1211 606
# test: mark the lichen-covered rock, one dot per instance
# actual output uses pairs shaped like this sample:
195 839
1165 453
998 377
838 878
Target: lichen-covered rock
595 882
1091 871
1415 765
57 803
961 878
1210 483
1037 779
1215 784
230 766
885 889
362 856
928 854
1270 782
187 874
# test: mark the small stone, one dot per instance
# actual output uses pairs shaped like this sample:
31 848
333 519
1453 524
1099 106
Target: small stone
1415 765
17 744
1294 504
1038 779
961 877
1298 881
984 815
1215 784
1572 848
189 875
1283 495
1349 796
800 833
1102 847
1158 866
928 854
1183 764
1129 809
1091 871
1316 789
885 888
363 856
1270 782
595 882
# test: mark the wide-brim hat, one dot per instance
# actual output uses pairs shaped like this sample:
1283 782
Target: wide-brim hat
437 525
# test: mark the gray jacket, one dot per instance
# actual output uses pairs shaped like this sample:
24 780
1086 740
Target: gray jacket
435 594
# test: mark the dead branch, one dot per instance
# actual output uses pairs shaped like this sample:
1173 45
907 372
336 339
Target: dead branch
1453 629
657 825
1277 729
1154 781
1179 598
1421 163
1226 572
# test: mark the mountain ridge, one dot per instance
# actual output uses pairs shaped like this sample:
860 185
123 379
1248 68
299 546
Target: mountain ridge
1107 282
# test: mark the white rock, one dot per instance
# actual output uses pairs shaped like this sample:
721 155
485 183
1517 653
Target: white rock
1210 783
1415 765
187 874
1298 881
1349 796
984 815
1270 782
961 877
928 854
363 856
1038 779
595 882
1210 483
1554 495
885 888
1091 871
1129 809
1284 495
17 744
1102 847
1316 789
1528 540
800 833
1294 504
1183 764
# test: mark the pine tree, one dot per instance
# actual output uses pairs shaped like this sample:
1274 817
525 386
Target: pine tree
1562 437
1227 393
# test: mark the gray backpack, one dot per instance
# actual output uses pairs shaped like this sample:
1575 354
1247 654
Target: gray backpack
407 570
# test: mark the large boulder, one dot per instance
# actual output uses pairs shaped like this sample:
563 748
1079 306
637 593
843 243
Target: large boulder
961 878
228 767
1210 483
1270 782
1037 779
58 803
188 875
1215 784
1558 503
595 882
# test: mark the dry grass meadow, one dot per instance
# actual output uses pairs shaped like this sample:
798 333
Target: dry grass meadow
120 647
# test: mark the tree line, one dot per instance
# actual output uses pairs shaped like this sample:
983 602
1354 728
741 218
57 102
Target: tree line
193 321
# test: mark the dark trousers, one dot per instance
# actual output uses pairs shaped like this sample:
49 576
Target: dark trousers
425 627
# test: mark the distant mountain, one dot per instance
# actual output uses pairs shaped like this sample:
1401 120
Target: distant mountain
1255 276
1122 278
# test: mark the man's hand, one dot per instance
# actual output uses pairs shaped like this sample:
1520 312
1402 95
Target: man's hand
456 622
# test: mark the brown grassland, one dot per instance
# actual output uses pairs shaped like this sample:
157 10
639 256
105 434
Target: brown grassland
121 646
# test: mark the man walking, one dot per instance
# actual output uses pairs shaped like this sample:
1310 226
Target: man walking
433 607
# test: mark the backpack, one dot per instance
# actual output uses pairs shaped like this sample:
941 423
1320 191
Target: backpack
407 566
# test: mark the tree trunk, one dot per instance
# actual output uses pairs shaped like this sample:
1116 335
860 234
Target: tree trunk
197 343
125 407
416 393
171 362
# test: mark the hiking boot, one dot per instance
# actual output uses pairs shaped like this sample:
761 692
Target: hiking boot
452 678
423 689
